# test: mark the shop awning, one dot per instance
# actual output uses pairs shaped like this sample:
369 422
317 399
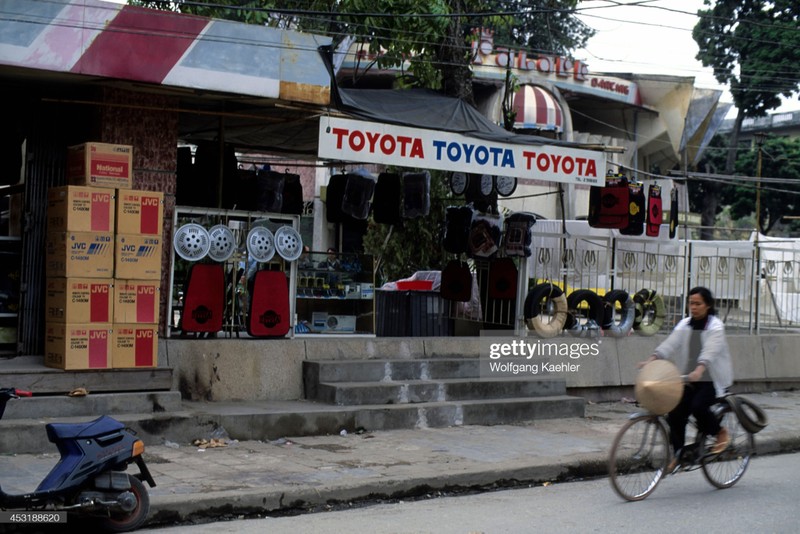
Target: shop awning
538 109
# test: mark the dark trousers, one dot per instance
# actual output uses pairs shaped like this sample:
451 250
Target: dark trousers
697 400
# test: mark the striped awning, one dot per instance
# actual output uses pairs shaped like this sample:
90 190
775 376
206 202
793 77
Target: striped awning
537 108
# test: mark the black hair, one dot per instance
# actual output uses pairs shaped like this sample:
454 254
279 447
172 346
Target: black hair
707 297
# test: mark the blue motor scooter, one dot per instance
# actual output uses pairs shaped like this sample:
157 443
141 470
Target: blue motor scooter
90 478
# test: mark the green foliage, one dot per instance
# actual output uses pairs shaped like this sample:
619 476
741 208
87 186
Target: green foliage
780 159
544 26
416 244
753 45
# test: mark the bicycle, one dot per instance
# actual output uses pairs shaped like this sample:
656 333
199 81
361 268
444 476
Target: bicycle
641 452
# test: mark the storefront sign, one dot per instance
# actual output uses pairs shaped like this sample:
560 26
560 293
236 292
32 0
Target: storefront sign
370 142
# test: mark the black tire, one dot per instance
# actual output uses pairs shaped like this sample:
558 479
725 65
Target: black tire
546 310
639 457
723 470
583 323
127 521
653 313
628 311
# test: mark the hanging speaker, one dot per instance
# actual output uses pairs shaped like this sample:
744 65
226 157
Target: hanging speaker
191 242
288 243
222 243
260 244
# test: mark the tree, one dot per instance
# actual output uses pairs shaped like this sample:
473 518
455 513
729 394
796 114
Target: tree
780 189
754 47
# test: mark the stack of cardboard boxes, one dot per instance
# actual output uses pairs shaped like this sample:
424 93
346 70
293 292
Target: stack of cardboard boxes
103 264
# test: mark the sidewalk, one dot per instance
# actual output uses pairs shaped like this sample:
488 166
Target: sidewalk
307 472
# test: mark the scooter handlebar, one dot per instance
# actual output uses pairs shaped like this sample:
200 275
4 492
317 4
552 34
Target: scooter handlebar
23 393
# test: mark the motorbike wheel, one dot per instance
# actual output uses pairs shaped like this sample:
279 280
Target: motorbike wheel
125 522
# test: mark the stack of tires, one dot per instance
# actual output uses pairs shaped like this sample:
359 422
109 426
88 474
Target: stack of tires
584 313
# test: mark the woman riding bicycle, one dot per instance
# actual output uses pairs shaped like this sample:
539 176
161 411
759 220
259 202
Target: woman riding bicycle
697 345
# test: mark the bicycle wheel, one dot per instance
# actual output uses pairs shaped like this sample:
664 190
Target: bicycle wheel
638 457
725 469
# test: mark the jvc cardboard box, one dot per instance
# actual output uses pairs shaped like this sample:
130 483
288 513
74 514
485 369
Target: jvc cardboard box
78 346
100 165
79 254
80 209
137 257
134 345
79 300
136 301
139 212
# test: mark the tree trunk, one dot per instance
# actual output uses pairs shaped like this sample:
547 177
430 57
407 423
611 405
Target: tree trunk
454 57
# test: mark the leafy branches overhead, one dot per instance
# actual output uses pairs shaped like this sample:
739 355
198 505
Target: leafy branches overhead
753 45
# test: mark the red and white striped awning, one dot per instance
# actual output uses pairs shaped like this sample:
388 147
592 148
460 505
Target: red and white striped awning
537 108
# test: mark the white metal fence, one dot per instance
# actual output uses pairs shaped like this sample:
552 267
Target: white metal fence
756 284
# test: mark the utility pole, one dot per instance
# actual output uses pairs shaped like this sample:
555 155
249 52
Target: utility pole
759 139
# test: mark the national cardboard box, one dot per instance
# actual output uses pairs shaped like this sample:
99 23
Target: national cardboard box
134 345
137 257
77 346
80 209
79 254
139 212
100 165
79 300
136 301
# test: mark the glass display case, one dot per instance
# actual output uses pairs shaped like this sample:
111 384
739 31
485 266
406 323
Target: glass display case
335 293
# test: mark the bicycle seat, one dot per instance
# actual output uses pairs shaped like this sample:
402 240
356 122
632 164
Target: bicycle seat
102 425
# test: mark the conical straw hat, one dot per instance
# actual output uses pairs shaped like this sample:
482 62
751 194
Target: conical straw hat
659 386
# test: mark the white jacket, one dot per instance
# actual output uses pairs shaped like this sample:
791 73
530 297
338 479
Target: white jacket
714 353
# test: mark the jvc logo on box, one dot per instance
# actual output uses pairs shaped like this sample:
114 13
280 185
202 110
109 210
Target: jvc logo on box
150 201
144 334
128 248
146 290
98 334
79 246
100 288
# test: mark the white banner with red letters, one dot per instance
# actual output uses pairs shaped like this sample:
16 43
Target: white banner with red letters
388 144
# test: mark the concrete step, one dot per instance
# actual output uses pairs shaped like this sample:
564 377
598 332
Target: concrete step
29 372
316 372
273 420
441 390
49 407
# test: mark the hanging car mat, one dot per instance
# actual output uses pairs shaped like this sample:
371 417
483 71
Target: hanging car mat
191 242
288 243
386 202
636 210
269 305
333 198
292 194
654 211
484 235
416 194
458 220
503 279
456 282
608 205
517 237
223 243
673 212
269 191
260 244
357 195
204 298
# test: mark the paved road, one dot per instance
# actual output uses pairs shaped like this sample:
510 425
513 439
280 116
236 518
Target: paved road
763 501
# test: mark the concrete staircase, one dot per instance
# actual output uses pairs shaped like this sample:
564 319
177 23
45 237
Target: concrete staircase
374 394
433 392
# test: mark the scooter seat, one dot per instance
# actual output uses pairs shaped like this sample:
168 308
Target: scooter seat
102 425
